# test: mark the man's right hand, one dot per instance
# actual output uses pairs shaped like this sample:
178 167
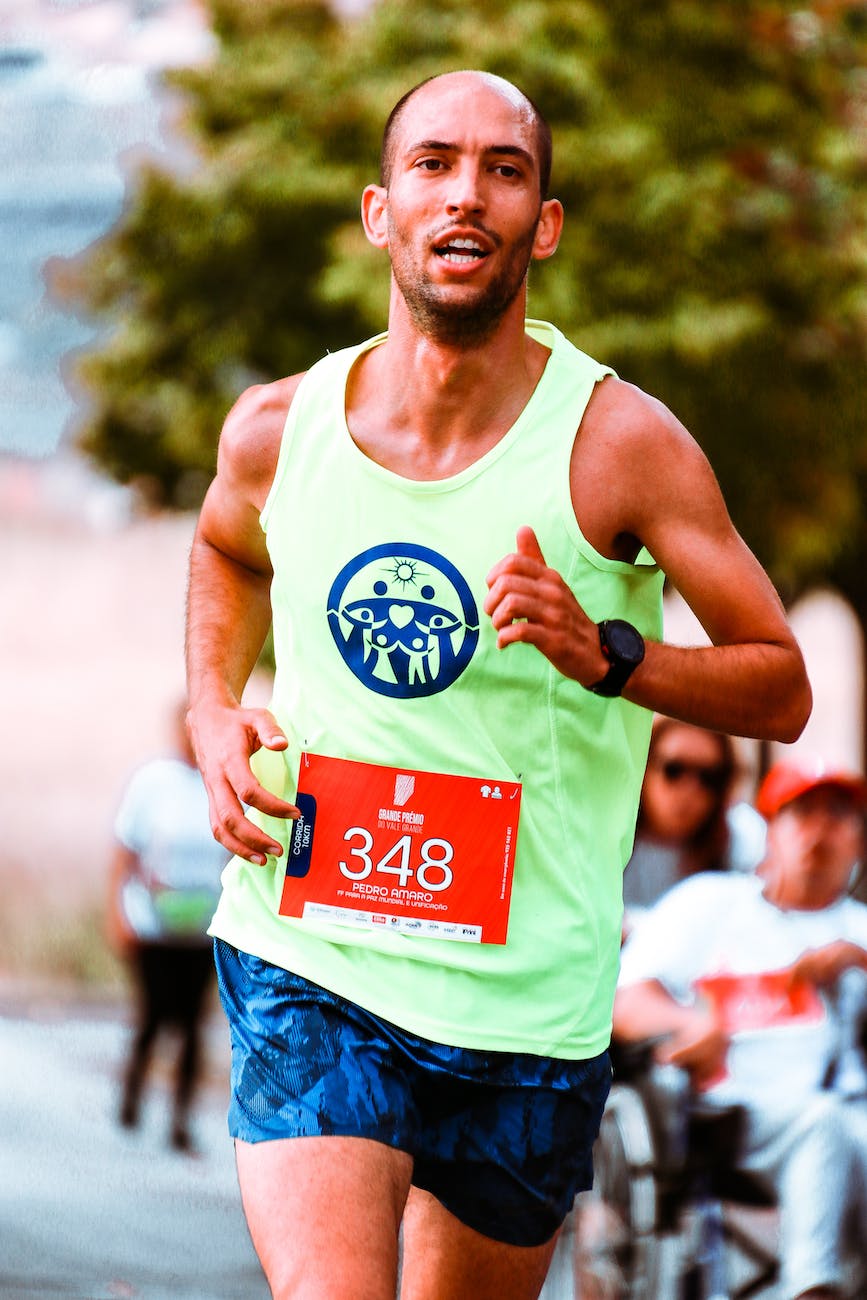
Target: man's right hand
225 737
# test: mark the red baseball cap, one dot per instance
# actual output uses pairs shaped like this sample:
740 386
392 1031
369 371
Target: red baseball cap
789 779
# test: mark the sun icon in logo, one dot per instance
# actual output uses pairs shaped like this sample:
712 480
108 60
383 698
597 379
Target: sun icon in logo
404 572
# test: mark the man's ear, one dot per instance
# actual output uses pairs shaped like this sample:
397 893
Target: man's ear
549 229
374 215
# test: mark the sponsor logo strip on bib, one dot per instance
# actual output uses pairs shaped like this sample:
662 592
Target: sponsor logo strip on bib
385 848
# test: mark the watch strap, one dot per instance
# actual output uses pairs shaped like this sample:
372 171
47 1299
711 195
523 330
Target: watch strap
619 671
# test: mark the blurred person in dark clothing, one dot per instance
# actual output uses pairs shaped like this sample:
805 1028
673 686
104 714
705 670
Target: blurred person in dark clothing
752 984
687 821
164 884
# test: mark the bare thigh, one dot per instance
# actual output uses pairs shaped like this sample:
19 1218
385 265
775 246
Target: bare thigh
443 1257
324 1215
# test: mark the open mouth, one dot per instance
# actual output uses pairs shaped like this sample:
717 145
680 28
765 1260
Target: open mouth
461 251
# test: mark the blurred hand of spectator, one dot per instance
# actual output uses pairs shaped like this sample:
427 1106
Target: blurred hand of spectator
824 966
698 1046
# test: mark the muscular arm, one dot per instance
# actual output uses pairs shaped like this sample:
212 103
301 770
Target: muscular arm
751 680
638 478
228 615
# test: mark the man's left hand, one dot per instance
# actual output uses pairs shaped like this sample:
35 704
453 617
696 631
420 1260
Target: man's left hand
529 602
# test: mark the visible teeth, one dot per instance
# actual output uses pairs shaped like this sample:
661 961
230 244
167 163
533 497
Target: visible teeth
450 251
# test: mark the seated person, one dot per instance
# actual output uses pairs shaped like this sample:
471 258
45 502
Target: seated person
744 980
686 820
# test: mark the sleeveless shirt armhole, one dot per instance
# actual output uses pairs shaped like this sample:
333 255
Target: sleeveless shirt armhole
343 360
642 566
644 563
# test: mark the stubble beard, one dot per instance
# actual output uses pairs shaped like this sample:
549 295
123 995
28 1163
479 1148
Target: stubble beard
472 319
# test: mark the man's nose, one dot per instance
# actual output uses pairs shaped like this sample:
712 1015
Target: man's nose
466 191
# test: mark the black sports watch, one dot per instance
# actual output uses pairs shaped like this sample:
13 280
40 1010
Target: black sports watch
623 647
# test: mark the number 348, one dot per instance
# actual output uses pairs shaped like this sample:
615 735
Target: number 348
433 873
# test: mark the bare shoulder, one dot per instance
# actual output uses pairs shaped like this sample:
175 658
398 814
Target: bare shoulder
229 521
250 439
631 421
634 466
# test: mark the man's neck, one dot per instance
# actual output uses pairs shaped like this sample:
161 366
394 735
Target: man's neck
789 899
427 409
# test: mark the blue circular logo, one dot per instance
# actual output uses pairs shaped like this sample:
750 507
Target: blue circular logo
404 620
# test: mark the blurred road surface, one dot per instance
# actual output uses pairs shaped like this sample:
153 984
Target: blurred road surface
91 1211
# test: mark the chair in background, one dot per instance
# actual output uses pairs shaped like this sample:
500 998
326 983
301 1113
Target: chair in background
669 1214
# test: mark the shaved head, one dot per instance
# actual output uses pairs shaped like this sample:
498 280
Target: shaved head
521 102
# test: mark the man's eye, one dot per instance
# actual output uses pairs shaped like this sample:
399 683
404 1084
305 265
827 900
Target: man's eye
507 170
430 164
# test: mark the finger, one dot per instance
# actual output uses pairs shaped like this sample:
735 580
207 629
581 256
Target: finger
523 630
501 568
246 789
521 575
268 732
237 833
252 848
266 802
528 543
509 590
516 610
516 563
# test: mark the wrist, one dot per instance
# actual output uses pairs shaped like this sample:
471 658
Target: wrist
211 692
622 647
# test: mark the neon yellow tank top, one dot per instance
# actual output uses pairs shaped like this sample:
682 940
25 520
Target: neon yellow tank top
460 706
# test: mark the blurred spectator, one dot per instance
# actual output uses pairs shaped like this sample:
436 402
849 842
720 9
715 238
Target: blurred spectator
686 821
164 885
751 983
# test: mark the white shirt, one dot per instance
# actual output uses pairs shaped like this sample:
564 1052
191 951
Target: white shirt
716 937
164 820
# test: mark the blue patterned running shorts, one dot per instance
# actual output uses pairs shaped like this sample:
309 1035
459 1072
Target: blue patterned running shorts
503 1140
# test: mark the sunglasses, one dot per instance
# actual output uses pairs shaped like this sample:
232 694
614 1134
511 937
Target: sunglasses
713 779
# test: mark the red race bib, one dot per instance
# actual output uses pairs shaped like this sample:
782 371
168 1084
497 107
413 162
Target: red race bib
388 848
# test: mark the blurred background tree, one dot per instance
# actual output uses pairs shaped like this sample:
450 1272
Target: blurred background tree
711 155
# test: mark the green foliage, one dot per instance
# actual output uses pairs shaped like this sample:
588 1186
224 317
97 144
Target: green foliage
711 158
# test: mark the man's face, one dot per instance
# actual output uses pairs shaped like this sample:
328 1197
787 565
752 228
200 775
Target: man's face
814 843
463 206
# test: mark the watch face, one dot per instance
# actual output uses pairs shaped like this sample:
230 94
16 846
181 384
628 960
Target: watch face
624 641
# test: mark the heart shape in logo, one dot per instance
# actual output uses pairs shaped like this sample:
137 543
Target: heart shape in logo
401 615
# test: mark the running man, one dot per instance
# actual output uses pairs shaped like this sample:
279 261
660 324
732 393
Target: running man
459 529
